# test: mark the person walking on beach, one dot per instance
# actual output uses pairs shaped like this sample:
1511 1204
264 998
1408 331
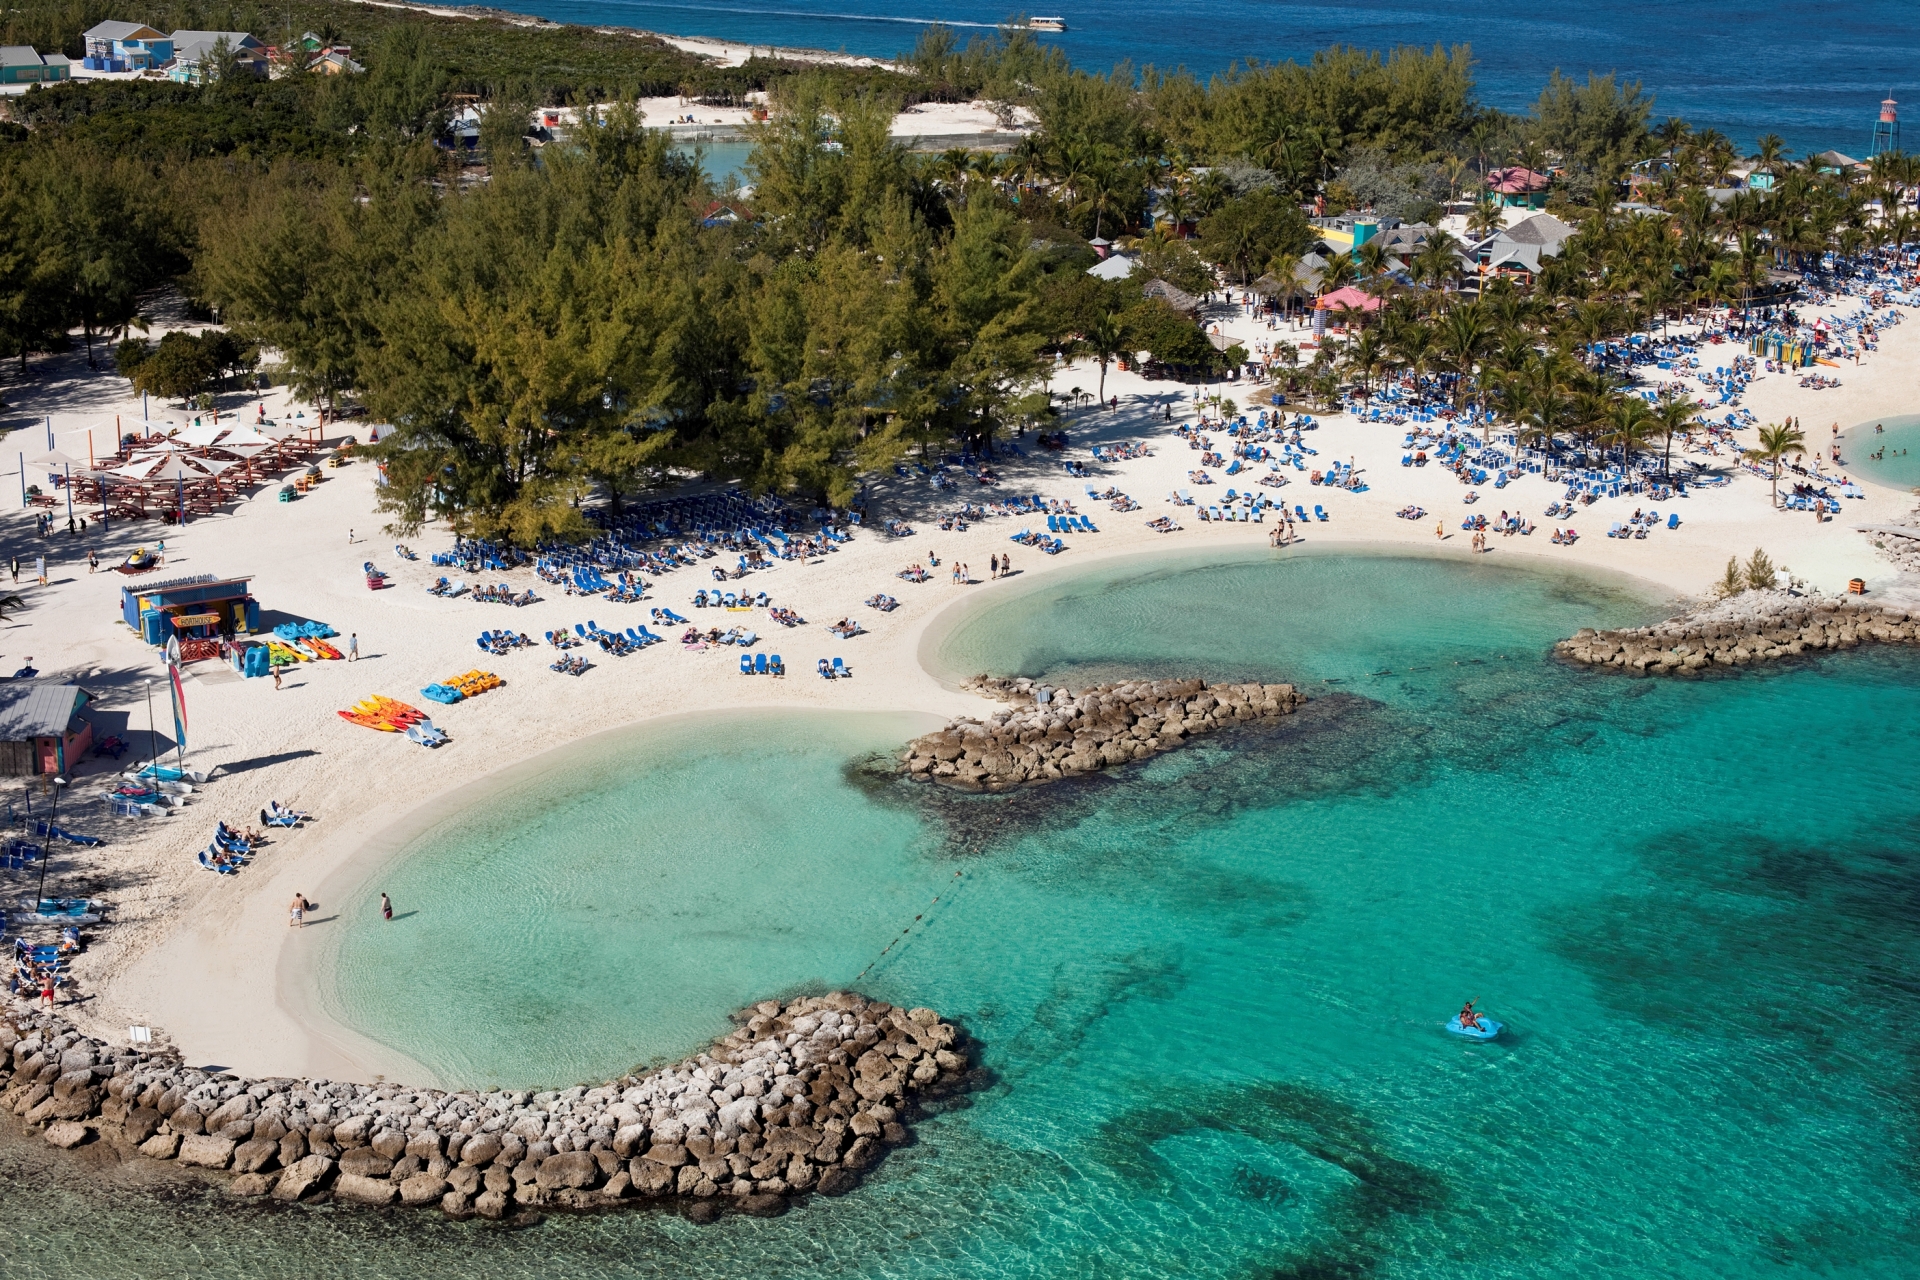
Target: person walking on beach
297 911
276 677
386 907
1440 531
353 646
349 536
993 567
40 569
1006 566
16 571
93 562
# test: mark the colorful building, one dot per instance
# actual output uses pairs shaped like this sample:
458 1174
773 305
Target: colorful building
199 610
21 64
126 46
43 727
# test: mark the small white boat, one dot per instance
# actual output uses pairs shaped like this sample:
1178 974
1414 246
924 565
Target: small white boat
1046 24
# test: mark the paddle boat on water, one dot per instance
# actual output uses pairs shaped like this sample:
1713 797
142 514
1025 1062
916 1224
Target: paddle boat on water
1469 1024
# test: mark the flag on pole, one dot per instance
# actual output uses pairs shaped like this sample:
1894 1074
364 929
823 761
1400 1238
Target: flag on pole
179 692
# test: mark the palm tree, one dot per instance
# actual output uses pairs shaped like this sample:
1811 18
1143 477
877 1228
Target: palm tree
1777 440
1485 218
1672 413
1630 425
1104 339
1464 333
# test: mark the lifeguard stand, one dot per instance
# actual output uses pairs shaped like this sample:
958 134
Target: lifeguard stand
1886 130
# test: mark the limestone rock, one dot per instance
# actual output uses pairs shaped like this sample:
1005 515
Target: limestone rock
365 1162
762 1206
161 1146
422 1189
255 1155
650 1177
141 1124
309 1173
389 1143
209 1151
67 1134
479 1150
352 1186
252 1185
569 1169
352 1132
491 1204
670 1154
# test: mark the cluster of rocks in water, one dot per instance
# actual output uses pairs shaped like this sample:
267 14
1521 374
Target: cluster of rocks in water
1754 626
801 1098
1047 734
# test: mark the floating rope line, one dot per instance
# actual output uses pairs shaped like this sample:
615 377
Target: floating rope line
901 936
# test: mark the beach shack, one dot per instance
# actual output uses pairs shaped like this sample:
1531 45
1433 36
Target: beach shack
200 610
43 728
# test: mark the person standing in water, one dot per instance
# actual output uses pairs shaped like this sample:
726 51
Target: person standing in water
386 907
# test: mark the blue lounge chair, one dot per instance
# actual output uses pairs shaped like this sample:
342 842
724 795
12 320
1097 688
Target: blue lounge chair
746 664
1319 512
776 666
1299 513
759 664
840 671
1673 521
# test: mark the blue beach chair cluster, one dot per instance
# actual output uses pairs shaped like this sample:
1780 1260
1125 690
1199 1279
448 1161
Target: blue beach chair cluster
500 643
759 664
616 643
834 670
228 852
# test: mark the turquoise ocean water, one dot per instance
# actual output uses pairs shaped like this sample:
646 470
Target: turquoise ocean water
1899 441
1210 988
1814 75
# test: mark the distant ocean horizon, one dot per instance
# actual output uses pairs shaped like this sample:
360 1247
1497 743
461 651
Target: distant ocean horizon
1813 76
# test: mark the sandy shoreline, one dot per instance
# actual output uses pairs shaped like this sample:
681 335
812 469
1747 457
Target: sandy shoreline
210 960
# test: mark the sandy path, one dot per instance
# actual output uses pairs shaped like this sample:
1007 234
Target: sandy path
207 958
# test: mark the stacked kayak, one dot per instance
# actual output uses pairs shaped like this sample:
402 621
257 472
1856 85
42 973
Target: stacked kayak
454 688
391 716
385 714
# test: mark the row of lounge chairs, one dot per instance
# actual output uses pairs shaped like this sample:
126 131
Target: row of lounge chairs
1070 524
835 670
728 600
759 664
500 643
617 643
227 853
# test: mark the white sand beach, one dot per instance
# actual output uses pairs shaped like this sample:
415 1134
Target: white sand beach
210 959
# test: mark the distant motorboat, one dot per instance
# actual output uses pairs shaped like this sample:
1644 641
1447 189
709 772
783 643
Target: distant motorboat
1046 24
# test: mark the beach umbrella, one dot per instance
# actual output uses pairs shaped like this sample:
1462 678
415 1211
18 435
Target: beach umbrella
178 472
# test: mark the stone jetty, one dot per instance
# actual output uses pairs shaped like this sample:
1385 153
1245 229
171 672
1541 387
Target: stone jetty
1047 734
1754 626
802 1098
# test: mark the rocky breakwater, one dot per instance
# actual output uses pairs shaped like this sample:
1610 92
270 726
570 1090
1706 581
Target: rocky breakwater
1755 626
1047 734
802 1098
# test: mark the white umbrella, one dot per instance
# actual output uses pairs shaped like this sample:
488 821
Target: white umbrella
202 435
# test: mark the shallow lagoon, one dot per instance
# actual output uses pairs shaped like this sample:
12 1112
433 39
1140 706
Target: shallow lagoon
1212 988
